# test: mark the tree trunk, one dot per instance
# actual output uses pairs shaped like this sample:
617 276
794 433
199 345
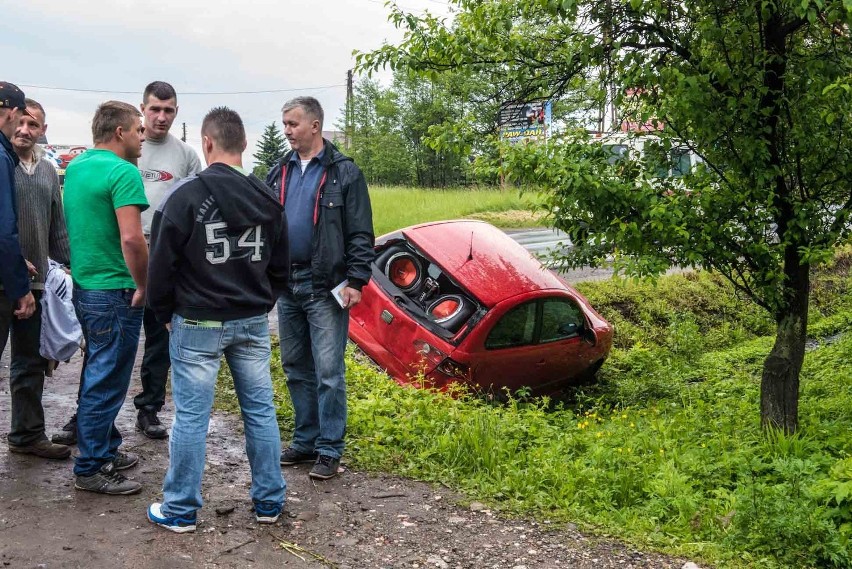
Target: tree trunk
779 386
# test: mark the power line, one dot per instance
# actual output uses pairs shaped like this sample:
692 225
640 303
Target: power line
182 93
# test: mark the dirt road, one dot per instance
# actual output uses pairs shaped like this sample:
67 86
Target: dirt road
355 521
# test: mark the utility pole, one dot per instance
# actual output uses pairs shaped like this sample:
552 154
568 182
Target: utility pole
606 72
183 136
350 112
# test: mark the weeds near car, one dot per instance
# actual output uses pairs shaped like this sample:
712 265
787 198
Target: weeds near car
666 451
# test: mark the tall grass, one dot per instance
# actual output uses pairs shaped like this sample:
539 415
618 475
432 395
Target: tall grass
666 451
395 207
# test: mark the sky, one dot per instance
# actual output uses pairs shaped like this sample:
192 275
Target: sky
71 56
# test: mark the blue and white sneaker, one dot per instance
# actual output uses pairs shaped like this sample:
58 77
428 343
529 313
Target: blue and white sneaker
177 524
267 512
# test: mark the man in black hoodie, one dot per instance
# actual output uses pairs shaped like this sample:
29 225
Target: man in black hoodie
219 257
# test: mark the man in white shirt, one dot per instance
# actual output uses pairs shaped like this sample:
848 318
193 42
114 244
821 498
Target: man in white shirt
165 160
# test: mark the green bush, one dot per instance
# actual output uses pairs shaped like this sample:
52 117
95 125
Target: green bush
666 451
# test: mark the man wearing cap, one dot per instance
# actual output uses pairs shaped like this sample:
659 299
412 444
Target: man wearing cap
43 233
14 276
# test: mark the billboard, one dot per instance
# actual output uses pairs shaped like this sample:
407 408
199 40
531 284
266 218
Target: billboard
61 154
525 121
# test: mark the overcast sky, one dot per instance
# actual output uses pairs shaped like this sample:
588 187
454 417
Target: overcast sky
116 47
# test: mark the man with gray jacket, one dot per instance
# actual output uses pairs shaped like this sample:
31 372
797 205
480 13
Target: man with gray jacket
42 234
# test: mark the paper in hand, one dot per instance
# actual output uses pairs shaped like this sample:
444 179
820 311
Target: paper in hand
337 293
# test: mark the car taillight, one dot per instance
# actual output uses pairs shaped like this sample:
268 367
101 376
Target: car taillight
454 369
430 353
442 362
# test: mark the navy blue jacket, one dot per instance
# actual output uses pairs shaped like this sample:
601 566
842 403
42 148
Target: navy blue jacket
343 239
13 270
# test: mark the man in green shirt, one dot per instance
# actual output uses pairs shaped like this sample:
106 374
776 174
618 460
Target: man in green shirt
104 198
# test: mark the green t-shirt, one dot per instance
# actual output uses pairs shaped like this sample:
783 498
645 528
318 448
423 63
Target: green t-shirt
96 184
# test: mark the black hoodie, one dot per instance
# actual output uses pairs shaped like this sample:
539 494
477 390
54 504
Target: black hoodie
219 248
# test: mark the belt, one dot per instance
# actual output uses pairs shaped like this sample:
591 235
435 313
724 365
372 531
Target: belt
300 266
203 323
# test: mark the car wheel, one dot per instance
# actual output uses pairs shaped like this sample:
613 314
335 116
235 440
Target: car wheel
590 375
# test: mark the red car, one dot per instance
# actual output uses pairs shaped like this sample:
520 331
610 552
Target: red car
74 152
460 301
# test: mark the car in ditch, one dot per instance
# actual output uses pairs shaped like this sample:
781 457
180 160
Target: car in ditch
461 302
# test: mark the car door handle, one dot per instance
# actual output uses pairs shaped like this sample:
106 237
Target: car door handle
541 363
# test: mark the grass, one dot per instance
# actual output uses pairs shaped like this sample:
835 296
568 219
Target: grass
395 207
666 451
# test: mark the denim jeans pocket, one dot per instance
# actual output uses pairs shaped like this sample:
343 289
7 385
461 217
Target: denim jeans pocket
98 321
301 283
257 339
196 343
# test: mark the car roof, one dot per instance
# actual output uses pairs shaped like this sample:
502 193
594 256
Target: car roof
482 259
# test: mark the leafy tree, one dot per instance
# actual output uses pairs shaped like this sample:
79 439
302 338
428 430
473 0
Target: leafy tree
408 132
376 142
427 104
260 170
760 91
271 146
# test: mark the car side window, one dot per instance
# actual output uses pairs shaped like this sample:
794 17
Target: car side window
560 319
515 328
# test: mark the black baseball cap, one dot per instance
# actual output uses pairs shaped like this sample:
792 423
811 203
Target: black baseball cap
11 97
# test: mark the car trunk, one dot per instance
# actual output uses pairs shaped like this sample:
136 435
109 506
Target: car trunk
398 326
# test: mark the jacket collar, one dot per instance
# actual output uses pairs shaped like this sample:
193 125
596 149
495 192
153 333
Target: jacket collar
329 154
294 156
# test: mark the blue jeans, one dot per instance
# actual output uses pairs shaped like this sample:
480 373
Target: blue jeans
196 350
313 329
111 327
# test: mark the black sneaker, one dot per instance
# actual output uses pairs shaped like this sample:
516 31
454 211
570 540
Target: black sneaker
150 425
107 481
68 434
292 456
124 460
325 467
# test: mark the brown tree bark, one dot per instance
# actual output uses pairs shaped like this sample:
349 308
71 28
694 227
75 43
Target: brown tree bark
779 386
